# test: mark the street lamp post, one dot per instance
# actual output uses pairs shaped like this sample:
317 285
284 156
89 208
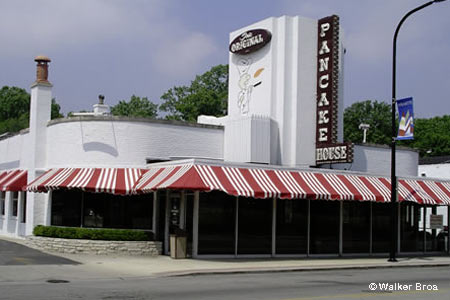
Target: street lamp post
394 217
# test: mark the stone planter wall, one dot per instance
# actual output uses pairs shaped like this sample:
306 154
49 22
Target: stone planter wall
73 246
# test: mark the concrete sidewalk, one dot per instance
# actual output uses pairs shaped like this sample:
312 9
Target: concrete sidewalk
166 266
123 267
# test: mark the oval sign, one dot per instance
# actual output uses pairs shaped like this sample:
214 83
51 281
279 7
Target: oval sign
250 41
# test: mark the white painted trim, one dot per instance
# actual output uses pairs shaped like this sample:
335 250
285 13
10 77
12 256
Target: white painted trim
48 209
19 212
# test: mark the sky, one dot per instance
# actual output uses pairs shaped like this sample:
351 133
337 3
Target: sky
120 48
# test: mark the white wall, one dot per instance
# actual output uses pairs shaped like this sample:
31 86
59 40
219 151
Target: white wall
13 152
284 91
117 142
376 159
441 171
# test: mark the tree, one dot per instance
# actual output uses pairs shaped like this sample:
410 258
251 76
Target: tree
431 136
207 95
15 109
376 114
136 107
55 112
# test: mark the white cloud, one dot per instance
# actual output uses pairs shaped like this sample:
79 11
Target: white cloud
181 53
53 27
48 25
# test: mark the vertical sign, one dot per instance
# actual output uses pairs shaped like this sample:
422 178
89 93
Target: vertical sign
327 79
327 148
406 119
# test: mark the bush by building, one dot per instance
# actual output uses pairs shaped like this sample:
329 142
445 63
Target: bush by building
92 234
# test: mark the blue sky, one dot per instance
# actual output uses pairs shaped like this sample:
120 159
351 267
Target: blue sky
119 48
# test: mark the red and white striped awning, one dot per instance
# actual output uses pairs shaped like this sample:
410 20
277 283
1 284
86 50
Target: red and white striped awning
266 183
241 181
424 191
288 184
14 180
107 180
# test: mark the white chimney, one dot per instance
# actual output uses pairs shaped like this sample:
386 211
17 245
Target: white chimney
40 114
101 108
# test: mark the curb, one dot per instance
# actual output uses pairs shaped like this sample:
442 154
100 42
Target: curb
202 272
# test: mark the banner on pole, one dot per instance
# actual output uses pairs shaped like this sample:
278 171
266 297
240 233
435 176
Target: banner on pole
406 117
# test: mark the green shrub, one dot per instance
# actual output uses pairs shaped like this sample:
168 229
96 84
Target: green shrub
92 234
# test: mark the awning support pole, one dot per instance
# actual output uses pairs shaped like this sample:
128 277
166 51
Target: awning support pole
308 232
274 226
195 224
341 227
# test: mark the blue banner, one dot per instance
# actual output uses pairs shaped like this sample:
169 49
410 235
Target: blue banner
406 119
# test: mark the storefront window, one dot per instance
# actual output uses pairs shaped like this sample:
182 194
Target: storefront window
324 227
15 201
381 227
66 208
356 222
292 226
435 232
411 233
24 208
101 210
2 202
255 226
216 224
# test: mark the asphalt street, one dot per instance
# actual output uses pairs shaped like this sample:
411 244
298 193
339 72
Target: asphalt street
15 254
401 283
30 274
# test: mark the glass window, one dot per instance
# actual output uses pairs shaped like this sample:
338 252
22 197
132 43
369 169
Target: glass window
435 236
216 224
101 210
2 202
356 230
381 227
24 208
292 226
410 232
66 208
442 234
255 226
15 200
324 227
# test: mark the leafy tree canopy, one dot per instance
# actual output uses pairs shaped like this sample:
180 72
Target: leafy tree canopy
376 114
431 136
207 95
15 109
136 107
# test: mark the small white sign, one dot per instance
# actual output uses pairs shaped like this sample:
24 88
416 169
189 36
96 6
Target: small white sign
436 221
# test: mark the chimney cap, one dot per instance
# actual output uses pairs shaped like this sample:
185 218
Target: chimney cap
42 58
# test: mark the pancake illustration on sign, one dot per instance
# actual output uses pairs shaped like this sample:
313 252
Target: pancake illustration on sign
246 84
